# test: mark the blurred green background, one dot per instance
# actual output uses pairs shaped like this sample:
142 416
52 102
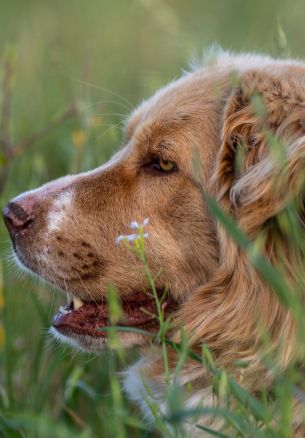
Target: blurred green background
104 57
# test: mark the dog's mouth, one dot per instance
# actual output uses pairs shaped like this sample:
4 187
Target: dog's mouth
139 310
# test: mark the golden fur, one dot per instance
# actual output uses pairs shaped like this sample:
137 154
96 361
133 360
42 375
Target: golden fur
199 122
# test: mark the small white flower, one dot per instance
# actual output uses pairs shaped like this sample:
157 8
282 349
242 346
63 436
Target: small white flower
134 225
119 239
134 236
130 237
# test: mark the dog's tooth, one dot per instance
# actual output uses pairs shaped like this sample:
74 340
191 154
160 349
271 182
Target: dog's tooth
63 310
77 303
69 297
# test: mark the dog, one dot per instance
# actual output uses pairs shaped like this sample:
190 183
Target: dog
178 145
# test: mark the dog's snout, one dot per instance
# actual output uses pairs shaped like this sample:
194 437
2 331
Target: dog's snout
18 216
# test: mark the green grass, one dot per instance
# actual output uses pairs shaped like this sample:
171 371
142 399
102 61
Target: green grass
106 56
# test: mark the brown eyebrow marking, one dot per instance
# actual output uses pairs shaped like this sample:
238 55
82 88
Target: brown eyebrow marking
163 146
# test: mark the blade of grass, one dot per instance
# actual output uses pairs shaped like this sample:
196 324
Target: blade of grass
271 275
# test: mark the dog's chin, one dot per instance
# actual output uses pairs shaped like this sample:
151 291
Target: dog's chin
91 344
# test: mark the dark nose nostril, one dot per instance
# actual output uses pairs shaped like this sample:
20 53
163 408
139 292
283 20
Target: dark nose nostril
16 218
7 220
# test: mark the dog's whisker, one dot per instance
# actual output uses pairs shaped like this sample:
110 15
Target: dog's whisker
109 114
86 289
111 126
103 101
113 93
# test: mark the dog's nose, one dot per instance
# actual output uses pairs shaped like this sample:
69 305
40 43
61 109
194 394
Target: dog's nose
18 216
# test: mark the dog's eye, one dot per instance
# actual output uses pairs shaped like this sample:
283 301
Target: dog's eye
164 165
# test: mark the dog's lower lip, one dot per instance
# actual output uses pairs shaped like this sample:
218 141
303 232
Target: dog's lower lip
91 317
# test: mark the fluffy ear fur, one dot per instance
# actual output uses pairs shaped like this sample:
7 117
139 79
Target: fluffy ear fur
229 312
271 138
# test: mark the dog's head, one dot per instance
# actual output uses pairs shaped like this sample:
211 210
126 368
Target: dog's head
180 143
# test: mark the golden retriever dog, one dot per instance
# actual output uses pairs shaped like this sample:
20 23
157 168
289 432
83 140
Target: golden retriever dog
184 141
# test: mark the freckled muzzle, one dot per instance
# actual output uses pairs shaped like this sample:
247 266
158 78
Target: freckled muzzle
44 228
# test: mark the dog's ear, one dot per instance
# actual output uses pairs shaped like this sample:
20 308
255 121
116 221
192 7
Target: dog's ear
261 162
259 169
